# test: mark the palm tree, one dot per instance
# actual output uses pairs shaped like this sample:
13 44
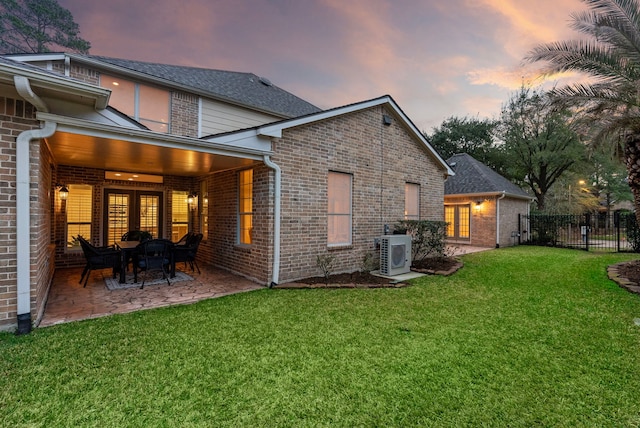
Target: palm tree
610 57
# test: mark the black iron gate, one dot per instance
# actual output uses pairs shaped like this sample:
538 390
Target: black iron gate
616 232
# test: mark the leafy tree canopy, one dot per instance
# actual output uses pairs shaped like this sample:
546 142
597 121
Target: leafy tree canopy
468 135
37 26
539 142
609 54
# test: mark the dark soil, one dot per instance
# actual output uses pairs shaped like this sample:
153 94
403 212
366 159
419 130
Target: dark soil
428 265
630 271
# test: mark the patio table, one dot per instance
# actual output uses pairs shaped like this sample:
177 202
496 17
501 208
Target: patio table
128 248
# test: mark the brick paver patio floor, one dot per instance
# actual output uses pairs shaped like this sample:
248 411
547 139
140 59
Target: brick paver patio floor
69 301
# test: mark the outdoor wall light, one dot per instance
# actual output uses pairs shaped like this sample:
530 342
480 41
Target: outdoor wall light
63 192
192 198
478 204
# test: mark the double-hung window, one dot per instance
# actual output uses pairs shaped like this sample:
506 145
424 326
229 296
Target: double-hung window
79 210
245 207
179 214
411 201
339 209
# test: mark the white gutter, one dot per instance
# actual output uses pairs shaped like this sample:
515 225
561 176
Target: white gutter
504 193
23 208
276 220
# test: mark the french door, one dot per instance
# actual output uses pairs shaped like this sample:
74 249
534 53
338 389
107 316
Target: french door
127 210
458 218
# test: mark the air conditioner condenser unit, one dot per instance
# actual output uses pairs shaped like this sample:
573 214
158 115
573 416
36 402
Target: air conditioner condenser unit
395 254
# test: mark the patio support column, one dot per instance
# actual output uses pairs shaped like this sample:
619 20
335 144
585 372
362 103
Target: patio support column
23 208
276 220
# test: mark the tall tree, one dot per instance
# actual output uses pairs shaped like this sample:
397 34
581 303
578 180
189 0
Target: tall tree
475 137
36 26
539 142
610 55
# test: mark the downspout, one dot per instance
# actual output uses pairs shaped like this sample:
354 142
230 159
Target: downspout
23 208
276 220
504 193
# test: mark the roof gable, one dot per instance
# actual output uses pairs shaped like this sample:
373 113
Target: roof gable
275 129
474 177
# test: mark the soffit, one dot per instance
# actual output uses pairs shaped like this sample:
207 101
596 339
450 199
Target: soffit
120 155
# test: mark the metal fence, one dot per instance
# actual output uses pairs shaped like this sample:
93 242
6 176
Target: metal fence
615 232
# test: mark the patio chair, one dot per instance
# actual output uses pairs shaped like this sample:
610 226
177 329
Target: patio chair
98 258
155 255
135 235
187 252
185 237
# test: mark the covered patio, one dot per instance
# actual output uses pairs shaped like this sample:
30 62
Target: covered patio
69 301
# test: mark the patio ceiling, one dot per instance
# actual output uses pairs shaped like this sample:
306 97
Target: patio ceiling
120 155
91 144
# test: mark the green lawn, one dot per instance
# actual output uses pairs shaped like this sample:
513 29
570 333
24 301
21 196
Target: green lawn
519 337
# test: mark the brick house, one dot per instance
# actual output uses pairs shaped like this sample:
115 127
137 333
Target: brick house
481 206
270 180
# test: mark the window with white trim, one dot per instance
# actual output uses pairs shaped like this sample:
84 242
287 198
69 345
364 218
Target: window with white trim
146 104
179 214
339 208
245 207
411 201
79 211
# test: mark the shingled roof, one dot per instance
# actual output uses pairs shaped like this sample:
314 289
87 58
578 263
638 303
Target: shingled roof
474 177
245 89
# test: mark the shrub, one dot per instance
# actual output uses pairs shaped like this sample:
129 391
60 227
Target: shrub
630 224
428 238
325 263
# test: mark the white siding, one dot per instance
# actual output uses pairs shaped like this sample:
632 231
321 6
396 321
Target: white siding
220 117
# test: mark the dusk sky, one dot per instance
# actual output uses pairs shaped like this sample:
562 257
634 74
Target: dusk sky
436 58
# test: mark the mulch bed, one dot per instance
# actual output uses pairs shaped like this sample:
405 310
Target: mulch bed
626 274
432 266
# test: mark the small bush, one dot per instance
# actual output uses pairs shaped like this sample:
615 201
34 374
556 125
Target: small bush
370 262
428 238
325 263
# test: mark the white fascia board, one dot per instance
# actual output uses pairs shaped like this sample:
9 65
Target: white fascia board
59 84
275 130
248 139
100 130
486 194
36 57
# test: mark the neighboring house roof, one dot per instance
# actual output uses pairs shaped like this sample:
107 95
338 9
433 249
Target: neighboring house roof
244 88
475 178
275 129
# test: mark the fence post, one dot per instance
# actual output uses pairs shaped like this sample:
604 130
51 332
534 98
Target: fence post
587 218
616 224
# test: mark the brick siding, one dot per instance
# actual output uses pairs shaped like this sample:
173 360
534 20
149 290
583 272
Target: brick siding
483 221
381 160
16 116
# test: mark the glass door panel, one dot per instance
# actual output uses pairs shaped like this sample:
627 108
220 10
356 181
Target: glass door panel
458 218
149 213
118 215
127 210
